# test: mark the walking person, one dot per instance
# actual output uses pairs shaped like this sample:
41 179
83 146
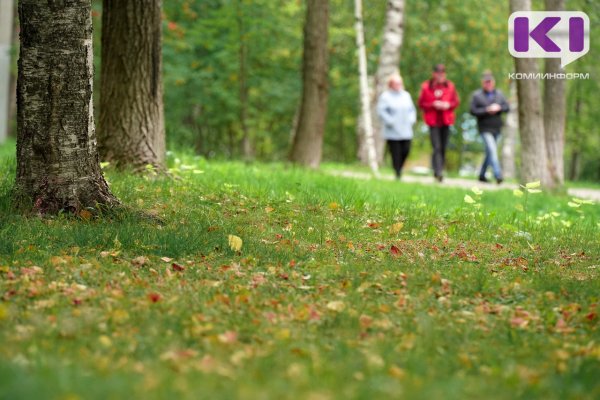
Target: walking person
398 115
438 100
488 104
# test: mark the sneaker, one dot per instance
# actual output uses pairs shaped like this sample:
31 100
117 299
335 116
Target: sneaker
499 180
484 179
440 178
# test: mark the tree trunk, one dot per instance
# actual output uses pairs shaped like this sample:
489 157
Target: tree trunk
555 110
389 61
243 84
57 159
131 131
6 24
364 89
511 131
531 123
307 147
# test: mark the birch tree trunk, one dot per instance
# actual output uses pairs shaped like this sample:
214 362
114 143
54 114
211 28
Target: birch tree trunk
389 61
57 160
531 123
6 25
511 131
307 147
364 89
131 131
555 110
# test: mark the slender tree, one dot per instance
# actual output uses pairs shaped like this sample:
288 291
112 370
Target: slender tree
555 110
531 123
6 24
57 160
364 90
389 62
243 81
511 132
307 147
131 130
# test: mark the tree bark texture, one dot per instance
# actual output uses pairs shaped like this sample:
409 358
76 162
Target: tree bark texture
389 62
364 89
6 30
131 130
307 147
57 158
555 111
510 133
247 150
531 123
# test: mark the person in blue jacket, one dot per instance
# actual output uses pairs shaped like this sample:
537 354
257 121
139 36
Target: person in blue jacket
398 115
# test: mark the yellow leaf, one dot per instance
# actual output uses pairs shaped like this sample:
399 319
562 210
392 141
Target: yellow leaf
337 306
518 193
533 185
85 214
469 199
477 191
105 341
397 227
235 242
334 206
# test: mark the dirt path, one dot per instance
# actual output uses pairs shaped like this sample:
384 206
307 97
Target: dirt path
590 194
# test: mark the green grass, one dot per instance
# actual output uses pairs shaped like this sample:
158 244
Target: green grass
342 289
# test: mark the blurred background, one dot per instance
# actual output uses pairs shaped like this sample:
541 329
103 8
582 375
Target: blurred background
210 45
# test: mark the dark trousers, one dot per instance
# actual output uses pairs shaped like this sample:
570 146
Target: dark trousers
399 150
439 141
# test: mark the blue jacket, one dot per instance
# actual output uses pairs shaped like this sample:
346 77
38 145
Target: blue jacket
397 113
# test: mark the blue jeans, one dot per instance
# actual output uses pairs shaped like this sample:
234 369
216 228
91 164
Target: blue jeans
491 155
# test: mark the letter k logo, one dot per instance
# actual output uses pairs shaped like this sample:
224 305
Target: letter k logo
549 34
539 34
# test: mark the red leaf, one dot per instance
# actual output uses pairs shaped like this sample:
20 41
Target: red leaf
177 267
154 297
394 250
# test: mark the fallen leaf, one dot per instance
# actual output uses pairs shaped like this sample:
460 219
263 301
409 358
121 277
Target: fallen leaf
177 267
235 242
337 306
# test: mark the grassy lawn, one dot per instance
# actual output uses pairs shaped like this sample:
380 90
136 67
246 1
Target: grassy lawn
341 289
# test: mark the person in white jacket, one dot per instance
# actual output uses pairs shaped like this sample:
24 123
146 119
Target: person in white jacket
398 115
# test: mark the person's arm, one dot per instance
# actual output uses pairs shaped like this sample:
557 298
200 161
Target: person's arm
503 103
425 103
382 111
477 109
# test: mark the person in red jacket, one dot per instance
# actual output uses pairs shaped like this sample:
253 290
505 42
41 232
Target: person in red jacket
438 100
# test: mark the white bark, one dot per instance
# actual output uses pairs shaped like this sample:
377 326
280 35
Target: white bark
389 61
6 24
509 142
364 89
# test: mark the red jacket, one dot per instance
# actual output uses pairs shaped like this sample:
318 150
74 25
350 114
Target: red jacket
444 92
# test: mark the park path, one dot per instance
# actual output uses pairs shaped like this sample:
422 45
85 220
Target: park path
583 193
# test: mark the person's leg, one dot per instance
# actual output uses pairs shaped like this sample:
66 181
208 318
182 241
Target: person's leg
404 151
436 145
492 154
445 133
395 152
486 160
